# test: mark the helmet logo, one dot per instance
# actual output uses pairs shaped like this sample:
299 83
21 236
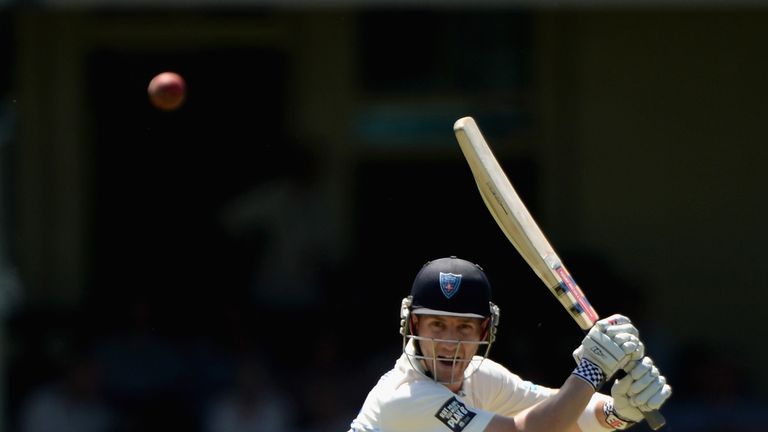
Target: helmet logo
449 284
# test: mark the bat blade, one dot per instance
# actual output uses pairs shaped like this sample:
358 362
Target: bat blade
518 225
523 232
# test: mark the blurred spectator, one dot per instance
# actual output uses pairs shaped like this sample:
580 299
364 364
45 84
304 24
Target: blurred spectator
74 402
144 368
252 404
325 387
292 219
140 360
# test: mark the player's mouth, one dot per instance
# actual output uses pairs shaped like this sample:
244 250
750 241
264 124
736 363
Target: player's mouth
448 361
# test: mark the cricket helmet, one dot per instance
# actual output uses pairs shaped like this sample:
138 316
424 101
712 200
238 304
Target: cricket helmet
453 287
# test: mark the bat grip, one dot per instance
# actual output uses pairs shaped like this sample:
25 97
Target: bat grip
654 419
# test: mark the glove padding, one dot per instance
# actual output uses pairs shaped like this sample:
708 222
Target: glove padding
642 389
613 326
610 344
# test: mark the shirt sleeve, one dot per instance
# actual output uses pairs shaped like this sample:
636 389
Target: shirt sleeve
430 407
505 393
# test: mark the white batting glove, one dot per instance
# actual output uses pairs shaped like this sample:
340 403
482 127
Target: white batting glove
606 349
643 389
616 324
613 326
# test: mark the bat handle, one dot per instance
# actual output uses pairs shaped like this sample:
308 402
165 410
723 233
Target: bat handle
654 419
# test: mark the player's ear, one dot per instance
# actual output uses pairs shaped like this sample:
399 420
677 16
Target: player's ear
484 327
414 323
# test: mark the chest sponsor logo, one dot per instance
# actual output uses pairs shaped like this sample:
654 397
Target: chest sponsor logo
455 415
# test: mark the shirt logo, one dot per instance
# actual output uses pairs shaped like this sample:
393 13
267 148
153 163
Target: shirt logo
449 284
455 415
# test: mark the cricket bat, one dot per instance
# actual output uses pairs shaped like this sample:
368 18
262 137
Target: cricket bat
523 232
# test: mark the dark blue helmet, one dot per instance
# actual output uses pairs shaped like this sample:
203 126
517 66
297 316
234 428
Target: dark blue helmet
451 286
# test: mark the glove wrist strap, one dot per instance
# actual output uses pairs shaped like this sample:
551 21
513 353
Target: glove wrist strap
590 373
613 419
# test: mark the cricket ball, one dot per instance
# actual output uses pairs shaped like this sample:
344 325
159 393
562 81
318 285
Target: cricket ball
167 91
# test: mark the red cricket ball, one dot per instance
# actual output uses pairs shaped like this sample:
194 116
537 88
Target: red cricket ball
167 91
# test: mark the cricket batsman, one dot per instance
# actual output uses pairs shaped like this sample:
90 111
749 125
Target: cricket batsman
444 380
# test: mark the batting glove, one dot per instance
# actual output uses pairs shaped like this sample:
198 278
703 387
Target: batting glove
613 326
606 349
617 324
642 389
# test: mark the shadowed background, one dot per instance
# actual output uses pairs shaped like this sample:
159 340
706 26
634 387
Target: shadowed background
251 248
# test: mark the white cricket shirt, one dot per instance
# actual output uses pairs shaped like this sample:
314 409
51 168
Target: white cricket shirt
405 399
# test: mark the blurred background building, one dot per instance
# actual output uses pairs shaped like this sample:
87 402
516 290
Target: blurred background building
237 264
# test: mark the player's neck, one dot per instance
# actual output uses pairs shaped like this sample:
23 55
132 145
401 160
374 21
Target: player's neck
455 387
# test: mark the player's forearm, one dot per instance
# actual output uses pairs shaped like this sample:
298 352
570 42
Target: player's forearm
560 412
557 413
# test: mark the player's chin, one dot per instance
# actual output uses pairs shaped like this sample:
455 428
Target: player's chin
448 370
